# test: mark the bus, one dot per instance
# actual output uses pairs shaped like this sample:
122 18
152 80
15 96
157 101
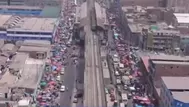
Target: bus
124 97
123 105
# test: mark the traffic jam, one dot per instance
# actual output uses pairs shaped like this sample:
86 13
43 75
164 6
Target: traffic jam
52 84
128 81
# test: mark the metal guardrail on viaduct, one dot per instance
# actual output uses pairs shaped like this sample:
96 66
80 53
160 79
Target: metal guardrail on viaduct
94 95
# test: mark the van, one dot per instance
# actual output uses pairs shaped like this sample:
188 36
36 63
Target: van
58 78
117 73
124 97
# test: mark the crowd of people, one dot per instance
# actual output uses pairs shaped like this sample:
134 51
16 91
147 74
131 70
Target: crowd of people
126 65
48 93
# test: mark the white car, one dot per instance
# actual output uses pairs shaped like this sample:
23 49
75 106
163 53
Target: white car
58 78
62 73
75 100
62 88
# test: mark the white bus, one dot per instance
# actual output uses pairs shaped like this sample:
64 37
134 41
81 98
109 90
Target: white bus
122 105
124 97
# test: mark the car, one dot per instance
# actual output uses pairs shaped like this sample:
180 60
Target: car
62 73
75 100
62 88
78 95
125 87
58 78
117 73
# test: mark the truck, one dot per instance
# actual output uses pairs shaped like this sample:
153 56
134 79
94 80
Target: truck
123 105
124 97
125 80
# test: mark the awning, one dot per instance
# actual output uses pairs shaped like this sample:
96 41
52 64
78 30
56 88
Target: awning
43 83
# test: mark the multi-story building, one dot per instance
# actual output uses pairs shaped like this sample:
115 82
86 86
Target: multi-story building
144 3
24 28
147 29
32 2
161 39
174 95
155 66
180 6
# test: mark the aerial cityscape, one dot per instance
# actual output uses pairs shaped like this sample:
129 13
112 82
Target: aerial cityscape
94 53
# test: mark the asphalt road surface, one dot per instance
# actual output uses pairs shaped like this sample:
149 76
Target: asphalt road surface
73 72
80 77
69 79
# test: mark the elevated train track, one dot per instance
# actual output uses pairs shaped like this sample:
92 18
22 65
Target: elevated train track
94 88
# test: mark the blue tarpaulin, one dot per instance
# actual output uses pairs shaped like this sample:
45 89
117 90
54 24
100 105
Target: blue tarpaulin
136 105
54 68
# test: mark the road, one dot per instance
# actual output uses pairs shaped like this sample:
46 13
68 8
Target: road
69 81
73 72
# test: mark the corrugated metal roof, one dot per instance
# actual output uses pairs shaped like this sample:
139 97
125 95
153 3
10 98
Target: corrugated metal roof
50 12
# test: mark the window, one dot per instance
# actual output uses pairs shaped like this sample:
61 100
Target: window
16 9
45 33
11 32
181 105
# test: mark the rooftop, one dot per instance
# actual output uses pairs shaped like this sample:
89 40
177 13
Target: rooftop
145 60
81 11
181 96
106 72
100 12
37 24
8 47
137 28
171 62
30 73
182 83
30 68
182 17
19 7
36 43
7 80
33 24
33 48
4 19
18 61
50 11
3 59
163 57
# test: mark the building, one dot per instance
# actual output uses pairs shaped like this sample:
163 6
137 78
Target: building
147 29
32 2
36 49
143 3
20 78
20 10
174 95
81 15
179 6
27 28
46 11
158 39
155 66
181 20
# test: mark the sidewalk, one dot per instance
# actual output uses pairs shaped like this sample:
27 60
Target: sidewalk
73 104
108 100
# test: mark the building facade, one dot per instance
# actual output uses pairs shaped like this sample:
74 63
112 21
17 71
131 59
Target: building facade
154 67
173 95
179 6
16 28
32 2
161 40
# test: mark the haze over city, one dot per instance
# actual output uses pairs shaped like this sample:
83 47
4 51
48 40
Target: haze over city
94 53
